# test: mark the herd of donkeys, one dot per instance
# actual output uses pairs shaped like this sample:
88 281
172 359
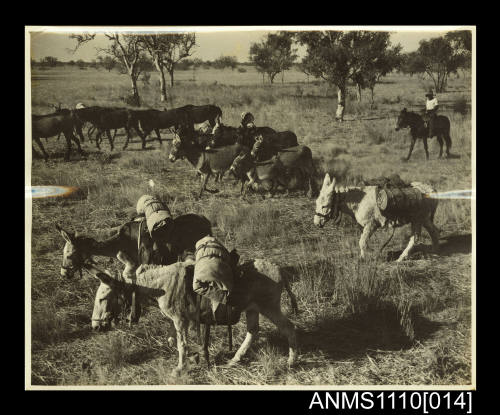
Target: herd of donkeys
260 157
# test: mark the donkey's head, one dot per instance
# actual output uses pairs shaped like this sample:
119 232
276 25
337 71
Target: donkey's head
324 202
241 164
75 253
257 146
176 151
109 301
402 121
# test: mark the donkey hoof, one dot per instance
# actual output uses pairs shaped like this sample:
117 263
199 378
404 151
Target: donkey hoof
232 363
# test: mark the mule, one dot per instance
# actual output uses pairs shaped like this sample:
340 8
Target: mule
360 203
45 126
418 129
259 288
265 148
212 162
84 115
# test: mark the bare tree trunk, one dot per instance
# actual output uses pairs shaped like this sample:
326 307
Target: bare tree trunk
135 90
171 72
282 77
372 101
359 93
339 116
163 84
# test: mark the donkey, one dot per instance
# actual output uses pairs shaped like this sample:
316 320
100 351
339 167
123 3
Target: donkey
418 129
360 203
44 126
132 245
252 173
200 113
89 115
213 162
259 288
265 148
152 119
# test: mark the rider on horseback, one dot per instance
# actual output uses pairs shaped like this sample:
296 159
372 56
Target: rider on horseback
431 108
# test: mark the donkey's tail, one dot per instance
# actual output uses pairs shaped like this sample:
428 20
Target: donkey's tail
286 276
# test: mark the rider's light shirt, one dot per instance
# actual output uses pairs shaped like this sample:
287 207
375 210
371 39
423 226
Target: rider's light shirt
431 104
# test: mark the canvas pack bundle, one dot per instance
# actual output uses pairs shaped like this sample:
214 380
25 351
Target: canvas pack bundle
399 202
157 213
212 263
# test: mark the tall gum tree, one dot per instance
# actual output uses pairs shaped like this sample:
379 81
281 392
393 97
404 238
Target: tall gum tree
340 56
125 47
166 50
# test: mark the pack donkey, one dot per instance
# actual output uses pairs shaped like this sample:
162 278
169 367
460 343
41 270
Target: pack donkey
418 129
361 204
213 162
259 286
132 245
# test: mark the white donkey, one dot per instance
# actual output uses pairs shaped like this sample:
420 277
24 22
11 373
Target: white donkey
361 204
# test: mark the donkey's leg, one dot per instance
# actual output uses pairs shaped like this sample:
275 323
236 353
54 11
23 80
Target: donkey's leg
110 139
286 327
206 343
368 230
180 327
98 138
447 140
127 130
412 144
440 141
157 131
416 228
39 142
433 232
252 316
204 178
68 147
77 142
426 148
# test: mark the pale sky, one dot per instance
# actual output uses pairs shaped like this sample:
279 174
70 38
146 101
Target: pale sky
210 45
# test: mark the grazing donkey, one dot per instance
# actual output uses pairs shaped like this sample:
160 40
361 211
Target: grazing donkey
266 147
213 162
361 204
418 129
44 126
259 288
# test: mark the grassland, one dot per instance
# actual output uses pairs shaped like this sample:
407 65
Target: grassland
361 322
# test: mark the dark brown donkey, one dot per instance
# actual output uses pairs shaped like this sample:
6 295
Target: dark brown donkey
201 113
212 162
266 147
418 129
44 126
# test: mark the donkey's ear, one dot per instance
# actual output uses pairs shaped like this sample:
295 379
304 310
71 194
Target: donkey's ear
66 235
326 180
332 185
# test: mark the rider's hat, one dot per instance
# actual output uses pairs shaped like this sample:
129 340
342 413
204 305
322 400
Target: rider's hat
430 93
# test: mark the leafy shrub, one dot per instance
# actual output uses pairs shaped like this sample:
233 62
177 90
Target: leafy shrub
460 105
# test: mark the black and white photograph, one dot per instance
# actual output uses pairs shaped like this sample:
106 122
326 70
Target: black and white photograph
233 207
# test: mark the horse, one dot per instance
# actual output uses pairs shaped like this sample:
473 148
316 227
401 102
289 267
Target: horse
49 125
361 204
258 289
265 148
206 162
418 129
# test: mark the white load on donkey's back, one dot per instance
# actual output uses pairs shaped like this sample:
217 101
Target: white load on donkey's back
361 204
